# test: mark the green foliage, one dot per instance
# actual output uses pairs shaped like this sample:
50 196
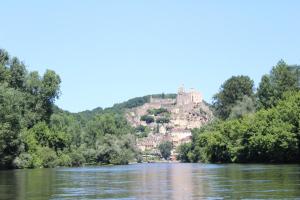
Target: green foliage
17 74
242 108
296 70
10 124
233 90
147 118
24 160
66 160
49 92
281 79
142 131
77 158
165 149
215 150
183 152
26 105
139 101
48 157
158 111
267 136
163 120
113 150
132 103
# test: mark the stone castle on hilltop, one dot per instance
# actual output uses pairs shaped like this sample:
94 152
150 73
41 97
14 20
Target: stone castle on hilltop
192 97
189 97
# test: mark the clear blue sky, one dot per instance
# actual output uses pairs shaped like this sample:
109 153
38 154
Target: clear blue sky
109 51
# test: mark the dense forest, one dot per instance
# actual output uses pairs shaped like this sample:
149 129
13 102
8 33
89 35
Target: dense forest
261 125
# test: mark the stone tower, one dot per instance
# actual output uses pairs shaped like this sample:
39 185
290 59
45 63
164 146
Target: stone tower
188 98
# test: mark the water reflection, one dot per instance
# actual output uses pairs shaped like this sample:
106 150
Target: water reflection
26 184
154 181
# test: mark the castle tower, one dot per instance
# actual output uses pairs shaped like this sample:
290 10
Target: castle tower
181 89
196 96
151 99
181 96
188 98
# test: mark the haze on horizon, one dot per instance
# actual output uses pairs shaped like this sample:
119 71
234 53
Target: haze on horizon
110 51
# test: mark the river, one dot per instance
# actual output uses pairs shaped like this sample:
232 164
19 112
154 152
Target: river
154 181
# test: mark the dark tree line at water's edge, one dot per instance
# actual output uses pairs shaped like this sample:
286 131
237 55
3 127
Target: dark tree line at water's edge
251 126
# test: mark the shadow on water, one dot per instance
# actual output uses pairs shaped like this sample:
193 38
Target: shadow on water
154 181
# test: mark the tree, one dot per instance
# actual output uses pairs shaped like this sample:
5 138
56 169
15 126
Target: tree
296 70
4 57
163 120
233 90
142 131
270 136
266 93
34 83
4 70
26 102
50 91
158 111
242 108
10 125
183 152
281 79
148 119
165 149
17 74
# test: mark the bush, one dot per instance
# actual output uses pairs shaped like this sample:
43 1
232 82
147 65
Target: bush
162 120
183 151
90 156
142 131
158 111
77 158
48 157
64 160
24 160
148 119
165 149
121 158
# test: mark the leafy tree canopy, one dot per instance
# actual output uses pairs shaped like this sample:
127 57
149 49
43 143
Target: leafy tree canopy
233 90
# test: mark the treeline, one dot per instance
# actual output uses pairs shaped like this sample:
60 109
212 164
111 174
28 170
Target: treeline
35 133
252 125
139 101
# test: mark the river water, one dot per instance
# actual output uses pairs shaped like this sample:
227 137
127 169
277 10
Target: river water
154 181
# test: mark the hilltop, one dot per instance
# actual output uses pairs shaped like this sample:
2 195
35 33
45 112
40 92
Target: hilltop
168 119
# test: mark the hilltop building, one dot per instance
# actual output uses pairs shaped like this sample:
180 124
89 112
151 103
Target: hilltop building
188 97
